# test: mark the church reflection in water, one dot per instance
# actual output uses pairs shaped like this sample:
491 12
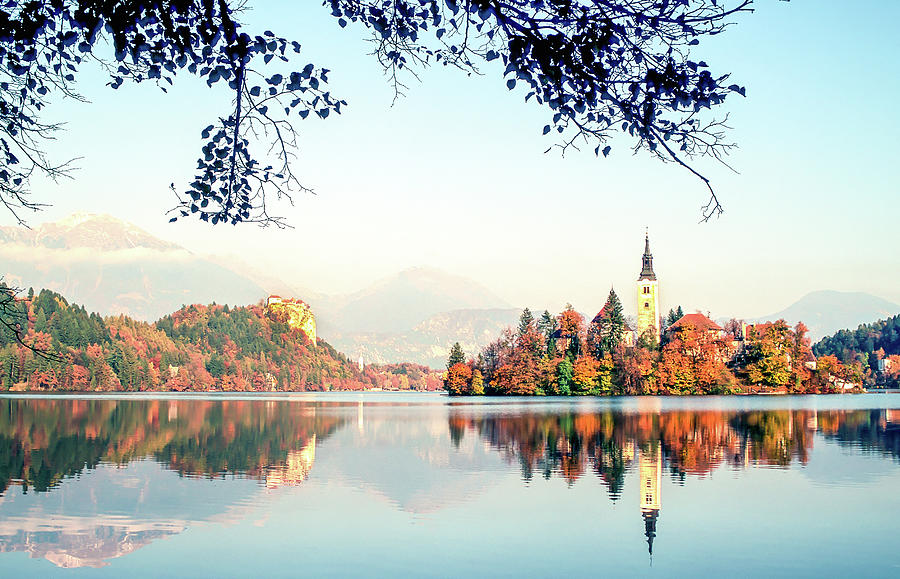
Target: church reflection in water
646 441
649 490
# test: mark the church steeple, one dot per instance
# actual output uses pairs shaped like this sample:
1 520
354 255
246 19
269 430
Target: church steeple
647 295
647 261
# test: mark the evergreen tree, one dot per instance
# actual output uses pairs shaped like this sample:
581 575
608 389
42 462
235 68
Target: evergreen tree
525 322
671 318
457 356
547 326
40 321
564 374
612 324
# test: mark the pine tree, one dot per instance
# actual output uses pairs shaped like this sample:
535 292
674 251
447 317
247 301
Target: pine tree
671 318
612 324
457 356
525 321
547 325
40 321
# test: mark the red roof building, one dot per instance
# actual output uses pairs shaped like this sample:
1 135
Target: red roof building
698 321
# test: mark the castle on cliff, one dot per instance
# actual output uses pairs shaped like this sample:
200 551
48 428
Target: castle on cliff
296 313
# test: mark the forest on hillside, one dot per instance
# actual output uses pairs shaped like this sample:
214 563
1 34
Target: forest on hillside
60 346
875 347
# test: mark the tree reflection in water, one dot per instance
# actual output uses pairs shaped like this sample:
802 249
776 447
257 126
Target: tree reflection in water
123 500
43 442
697 442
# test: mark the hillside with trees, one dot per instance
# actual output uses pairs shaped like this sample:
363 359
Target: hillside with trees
874 347
563 355
60 346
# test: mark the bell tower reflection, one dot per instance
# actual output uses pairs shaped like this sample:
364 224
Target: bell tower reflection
650 477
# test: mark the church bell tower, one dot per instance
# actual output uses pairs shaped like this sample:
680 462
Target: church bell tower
647 295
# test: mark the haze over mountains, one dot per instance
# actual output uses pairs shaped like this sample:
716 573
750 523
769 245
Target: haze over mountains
826 311
112 267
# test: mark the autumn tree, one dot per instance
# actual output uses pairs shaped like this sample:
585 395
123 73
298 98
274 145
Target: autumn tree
477 388
636 371
591 376
459 378
768 355
693 362
571 331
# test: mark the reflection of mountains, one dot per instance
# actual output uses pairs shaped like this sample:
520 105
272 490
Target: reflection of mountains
128 501
115 511
692 442
405 457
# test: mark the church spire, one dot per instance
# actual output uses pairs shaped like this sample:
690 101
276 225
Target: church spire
647 261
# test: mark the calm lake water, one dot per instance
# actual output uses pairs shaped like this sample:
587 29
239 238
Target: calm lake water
385 484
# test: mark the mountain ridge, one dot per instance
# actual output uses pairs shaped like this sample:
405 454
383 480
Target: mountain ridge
827 311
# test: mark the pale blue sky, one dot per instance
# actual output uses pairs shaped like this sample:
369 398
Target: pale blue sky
454 176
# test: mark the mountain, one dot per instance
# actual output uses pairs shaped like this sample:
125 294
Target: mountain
400 302
825 312
430 340
85 230
114 267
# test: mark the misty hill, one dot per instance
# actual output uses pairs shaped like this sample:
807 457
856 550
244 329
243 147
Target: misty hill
114 267
402 301
429 341
825 312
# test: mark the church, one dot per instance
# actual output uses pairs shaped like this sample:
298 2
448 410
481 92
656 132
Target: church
647 303
647 295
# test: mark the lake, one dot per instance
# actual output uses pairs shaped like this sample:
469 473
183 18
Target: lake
385 484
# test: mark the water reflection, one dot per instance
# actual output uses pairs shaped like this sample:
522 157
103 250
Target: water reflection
87 481
44 441
568 444
108 500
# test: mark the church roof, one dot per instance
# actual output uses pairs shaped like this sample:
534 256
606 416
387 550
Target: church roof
698 321
647 261
599 317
